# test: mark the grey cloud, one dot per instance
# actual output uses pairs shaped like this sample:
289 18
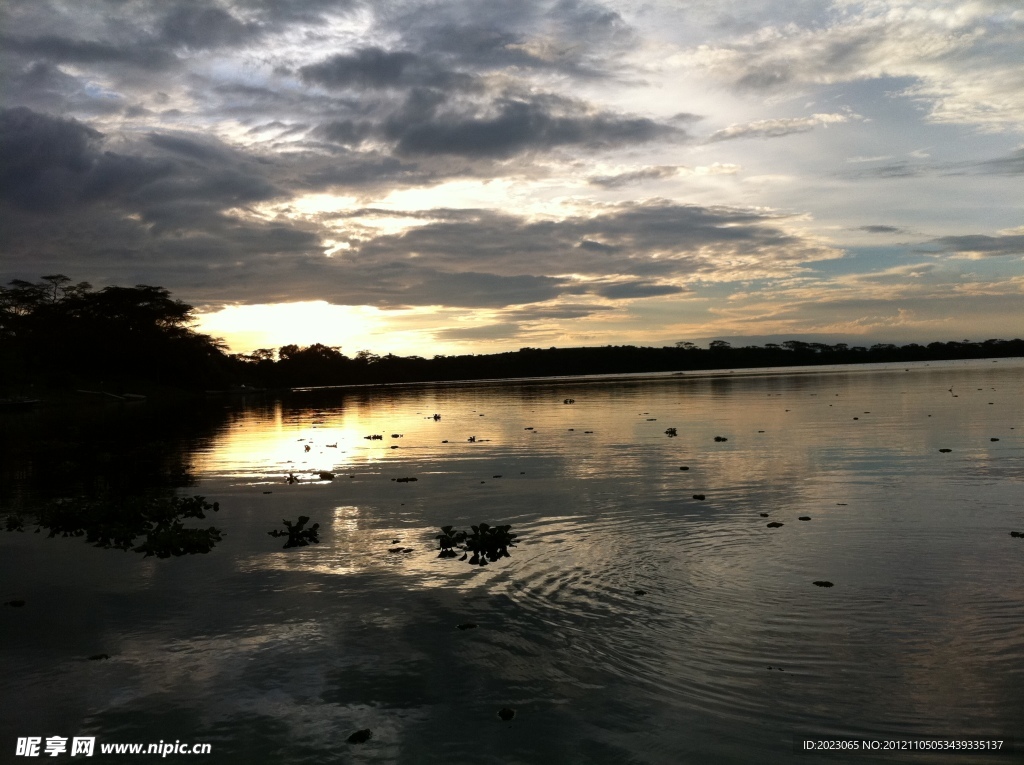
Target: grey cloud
521 126
48 164
499 331
881 229
981 244
145 55
1012 164
776 128
194 26
559 311
595 246
626 290
636 176
376 68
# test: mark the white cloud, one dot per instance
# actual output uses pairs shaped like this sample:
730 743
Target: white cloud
964 58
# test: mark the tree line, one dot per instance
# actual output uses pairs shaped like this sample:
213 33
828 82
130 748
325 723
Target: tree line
64 334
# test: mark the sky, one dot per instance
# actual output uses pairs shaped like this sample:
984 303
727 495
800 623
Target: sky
471 176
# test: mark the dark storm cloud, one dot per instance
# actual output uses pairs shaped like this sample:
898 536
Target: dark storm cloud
145 55
198 27
580 39
520 126
375 68
49 164
982 245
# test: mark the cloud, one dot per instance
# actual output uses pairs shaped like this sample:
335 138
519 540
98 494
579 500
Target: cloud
637 289
635 176
518 126
882 229
198 27
777 128
48 164
144 54
962 59
981 245
375 68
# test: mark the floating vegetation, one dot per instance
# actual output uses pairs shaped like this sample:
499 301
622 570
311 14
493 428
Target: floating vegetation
437 417
119 523
374 438
945 451
467 626
405 480
804 518
671 432
15 603
99 656
396 435
486 543
14 522
360 736
1019 534
297 533
763 515
569 401
639 592
326 476
699 496
775 525
472 439
721 438
822 583
506 714
684 467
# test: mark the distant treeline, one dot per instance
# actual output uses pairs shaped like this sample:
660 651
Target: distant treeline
61 334
323 365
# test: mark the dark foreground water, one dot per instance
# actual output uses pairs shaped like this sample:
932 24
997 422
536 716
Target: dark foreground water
278 655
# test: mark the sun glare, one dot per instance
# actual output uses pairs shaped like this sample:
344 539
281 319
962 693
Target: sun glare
247 327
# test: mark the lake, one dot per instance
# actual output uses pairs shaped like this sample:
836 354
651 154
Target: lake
632 623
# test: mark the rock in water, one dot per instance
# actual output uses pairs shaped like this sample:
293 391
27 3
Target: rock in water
804 518
774 525
360 736
698 496
506 714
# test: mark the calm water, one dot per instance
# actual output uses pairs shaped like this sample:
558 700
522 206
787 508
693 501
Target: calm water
277 656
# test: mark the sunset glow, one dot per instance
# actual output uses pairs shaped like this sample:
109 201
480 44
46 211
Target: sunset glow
426 179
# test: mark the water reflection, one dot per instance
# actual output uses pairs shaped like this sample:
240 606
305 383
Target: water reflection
632 622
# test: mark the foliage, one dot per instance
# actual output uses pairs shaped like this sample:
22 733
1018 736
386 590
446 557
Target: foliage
119 524
67 334
298 535
487 543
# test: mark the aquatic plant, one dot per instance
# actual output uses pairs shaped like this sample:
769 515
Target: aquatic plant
671 432
119 523
297 533
486 543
